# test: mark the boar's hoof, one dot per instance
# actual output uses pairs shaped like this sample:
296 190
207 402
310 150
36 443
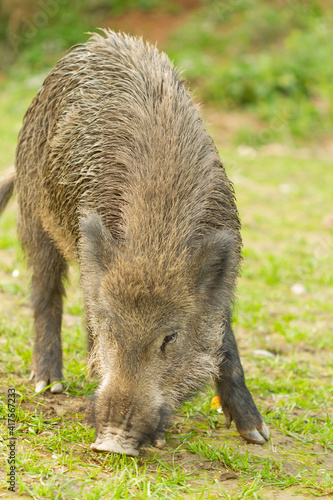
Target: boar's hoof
160 441
240 407
257 436
113 446
56 388
40 386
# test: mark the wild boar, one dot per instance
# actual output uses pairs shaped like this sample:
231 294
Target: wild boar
115 168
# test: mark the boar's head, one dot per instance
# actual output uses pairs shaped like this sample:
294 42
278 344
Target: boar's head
155 317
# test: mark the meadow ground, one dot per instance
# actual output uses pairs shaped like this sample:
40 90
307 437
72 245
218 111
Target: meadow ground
283 323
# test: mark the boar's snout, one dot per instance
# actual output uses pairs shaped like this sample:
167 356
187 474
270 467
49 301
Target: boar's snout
116 443
125 421
126 439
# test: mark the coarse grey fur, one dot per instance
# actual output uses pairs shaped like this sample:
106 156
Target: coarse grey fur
115 168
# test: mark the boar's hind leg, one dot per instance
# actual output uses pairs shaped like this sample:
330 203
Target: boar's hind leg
236 400
49 268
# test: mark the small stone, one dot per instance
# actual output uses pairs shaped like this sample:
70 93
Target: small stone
246 151
298 289
263 352
225 476
286 188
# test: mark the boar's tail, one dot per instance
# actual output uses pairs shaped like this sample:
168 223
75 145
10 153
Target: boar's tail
6 191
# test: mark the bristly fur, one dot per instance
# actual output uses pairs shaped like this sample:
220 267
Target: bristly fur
115 130
115 168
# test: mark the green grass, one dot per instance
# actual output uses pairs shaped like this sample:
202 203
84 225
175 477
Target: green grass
285 204
271 58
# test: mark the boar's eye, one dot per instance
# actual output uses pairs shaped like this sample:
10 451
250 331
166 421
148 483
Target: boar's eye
169 339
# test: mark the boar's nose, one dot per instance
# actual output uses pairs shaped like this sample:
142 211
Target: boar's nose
114 445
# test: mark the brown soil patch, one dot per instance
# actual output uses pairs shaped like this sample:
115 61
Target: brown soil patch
224 125
155 25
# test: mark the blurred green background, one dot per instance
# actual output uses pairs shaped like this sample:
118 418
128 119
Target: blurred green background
268 59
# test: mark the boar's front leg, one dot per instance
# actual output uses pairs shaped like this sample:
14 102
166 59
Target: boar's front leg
236 400
49 268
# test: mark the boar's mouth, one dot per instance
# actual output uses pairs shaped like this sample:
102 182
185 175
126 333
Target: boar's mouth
126 441
126 433
116 443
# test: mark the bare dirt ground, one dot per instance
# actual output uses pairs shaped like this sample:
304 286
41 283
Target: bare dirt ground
155 25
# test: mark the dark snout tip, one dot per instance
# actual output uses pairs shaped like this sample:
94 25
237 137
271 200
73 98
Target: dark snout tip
112 446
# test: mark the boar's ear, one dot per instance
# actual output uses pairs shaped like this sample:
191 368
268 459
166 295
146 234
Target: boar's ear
97 246
217 265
